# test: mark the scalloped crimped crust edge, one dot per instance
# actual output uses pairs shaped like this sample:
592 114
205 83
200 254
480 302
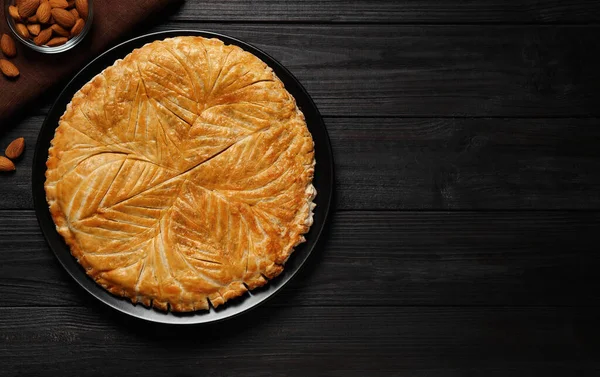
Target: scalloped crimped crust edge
235 288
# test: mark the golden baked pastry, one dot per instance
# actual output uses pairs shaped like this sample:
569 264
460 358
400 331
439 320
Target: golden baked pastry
182 174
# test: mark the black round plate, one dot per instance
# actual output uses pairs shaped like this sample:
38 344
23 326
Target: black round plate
323 182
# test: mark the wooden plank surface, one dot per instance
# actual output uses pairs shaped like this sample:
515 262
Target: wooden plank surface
340 341
399 163
385 11
466 163
381 258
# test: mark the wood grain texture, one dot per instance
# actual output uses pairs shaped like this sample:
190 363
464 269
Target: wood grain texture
381 258
405 12
466 163
341 341
401 163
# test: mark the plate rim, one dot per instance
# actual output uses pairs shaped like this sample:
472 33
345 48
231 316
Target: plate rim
41 207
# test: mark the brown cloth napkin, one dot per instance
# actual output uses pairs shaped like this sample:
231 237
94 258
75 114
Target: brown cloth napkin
112 19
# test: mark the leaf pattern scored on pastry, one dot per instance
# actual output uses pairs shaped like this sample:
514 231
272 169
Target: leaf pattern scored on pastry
181 175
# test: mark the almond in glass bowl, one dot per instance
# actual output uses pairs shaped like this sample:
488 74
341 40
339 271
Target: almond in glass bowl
63 24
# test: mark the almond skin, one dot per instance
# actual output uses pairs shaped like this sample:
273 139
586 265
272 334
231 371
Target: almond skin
33 19
82 7
27 8
15 148
8 68
7 45
59 30
34 29
22 30
14 13
63 17
6 164
57 41
78 28
59 3
43 12
43 37
75 13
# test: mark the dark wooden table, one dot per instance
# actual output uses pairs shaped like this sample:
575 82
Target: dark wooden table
464 240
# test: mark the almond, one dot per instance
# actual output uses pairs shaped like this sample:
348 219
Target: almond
57 41
14 12
71 4
75 13
22 30
63 17
33 19
34 29
27 8
82 7
15 148
43 12
6 164
43 37
59 3
59 30
78 28
7 45
8 68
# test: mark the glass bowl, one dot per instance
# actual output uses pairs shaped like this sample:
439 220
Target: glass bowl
45 49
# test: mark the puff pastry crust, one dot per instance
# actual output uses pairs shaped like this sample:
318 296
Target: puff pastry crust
182 175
